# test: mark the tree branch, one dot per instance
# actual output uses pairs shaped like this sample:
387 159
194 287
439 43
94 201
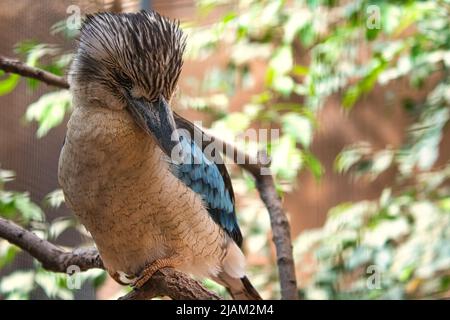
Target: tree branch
165 282
172 283
52 257
172 279
18 67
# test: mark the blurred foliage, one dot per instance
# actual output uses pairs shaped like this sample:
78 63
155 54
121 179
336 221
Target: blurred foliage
308 50
20 284
16 205
395 248
49 110
312 50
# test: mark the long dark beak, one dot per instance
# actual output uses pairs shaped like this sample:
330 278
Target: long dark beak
156 119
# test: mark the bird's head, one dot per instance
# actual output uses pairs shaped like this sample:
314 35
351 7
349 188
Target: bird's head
130 61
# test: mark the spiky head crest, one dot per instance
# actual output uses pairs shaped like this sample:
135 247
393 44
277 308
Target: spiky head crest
142 52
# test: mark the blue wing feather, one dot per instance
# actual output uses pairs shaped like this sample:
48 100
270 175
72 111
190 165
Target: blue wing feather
204 177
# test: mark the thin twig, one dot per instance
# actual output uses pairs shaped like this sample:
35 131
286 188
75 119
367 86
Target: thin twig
259 169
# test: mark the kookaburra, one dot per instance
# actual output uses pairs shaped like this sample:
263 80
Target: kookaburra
143 210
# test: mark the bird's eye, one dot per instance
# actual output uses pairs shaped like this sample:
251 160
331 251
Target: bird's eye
124 80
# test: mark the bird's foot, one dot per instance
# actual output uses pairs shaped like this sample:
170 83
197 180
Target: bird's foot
150 270
123 278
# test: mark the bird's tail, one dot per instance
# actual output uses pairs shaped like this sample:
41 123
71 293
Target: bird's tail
245 291
239 289
232 276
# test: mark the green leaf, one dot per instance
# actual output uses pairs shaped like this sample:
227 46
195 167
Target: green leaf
286 158
300 70
425 137
97 276
371 34
28 209
58 226
282 60
381 161
9 84
230 16
52 285
7 253
308 35
359 256
49 110
351 96
365 84
236 122
35 51
6 175
38 51
23 47
406 273
391 17
19 282
299 127
283 85
313 164
293 25
350 156
63 28
7 207
55 198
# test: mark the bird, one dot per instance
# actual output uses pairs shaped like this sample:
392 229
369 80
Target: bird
145 208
